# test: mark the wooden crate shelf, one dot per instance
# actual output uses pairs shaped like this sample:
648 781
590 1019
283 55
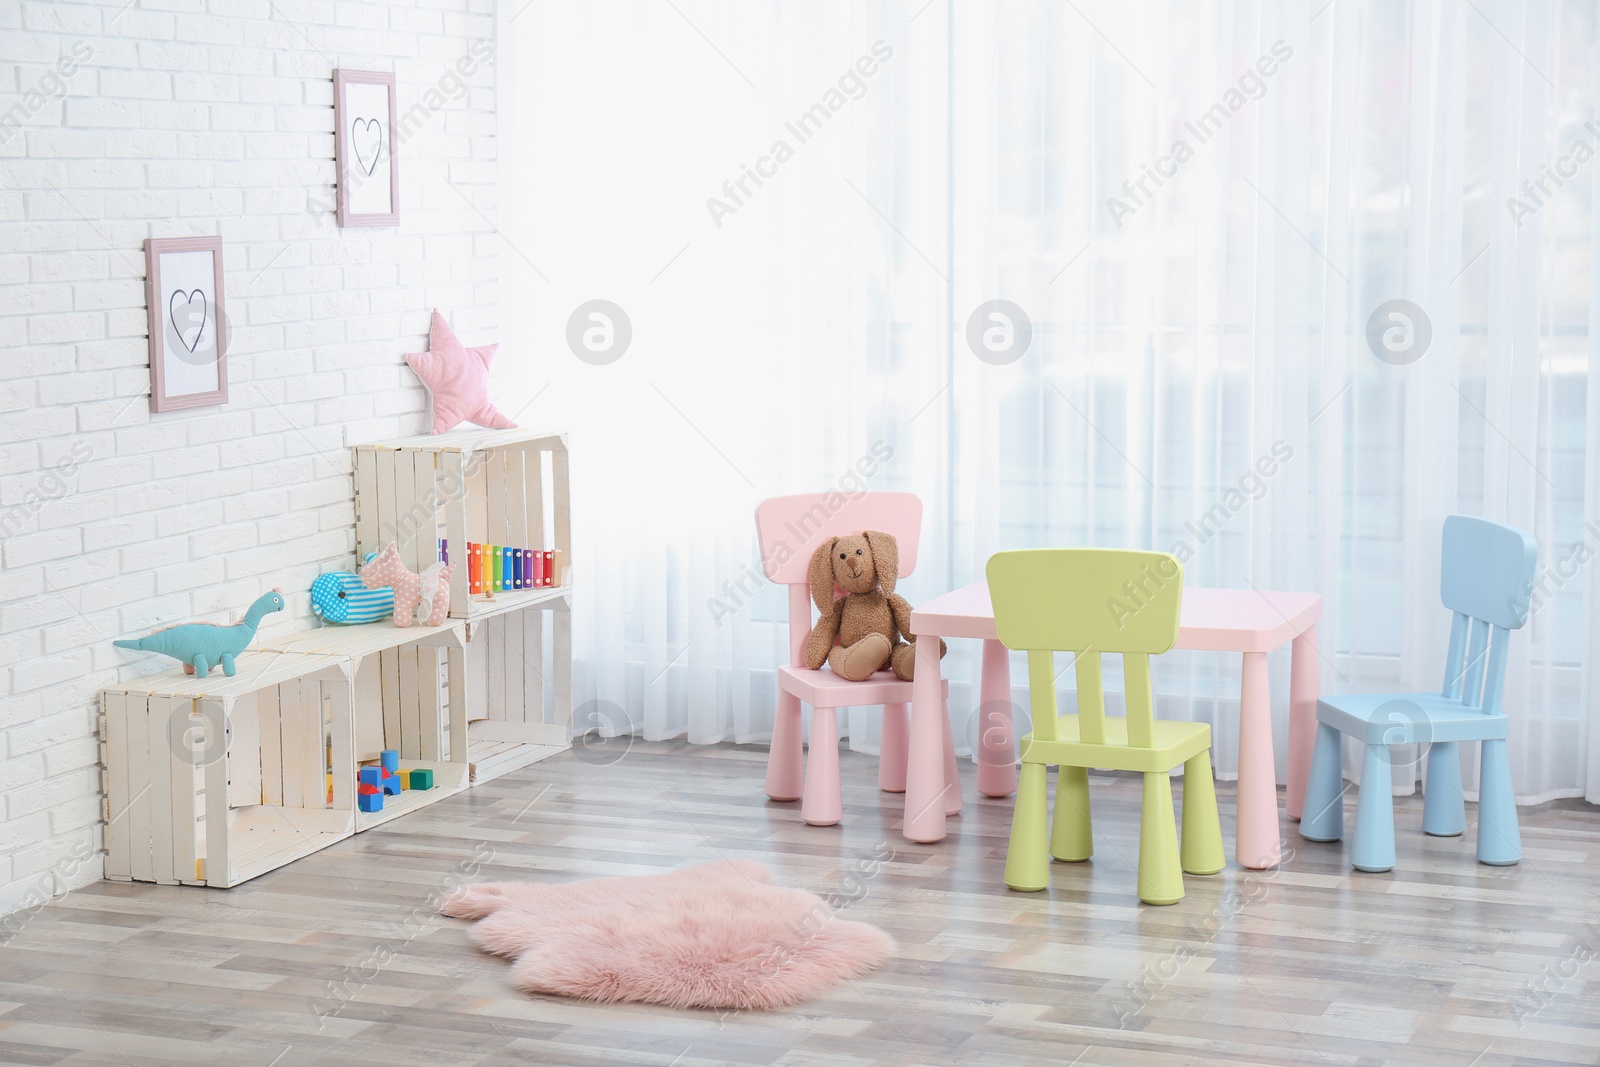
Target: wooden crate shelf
497 487
507 487
212 781
486 693
399 702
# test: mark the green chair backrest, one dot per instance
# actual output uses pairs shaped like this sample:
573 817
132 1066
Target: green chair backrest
1088 601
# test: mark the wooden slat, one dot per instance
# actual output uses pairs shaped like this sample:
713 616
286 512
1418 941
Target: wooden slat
341 725
405 738
453 477
456 662
477 502
315 754
383 464
561 505
139 780
494 498
118 750
402 505
534 667
533 627
294 726
516 488
523 733
269 717
244 753
367 503
561 668
162 724
533 474
367 709
216 807
431 735
494 638
390 663
514 664
204 742
424 502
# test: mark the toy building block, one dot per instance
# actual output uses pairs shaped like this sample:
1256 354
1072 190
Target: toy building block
421 778
390 759
385 781
369 798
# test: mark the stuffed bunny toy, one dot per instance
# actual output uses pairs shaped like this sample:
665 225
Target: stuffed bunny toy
860 633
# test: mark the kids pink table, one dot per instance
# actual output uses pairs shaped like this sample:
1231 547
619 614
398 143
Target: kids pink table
1246 621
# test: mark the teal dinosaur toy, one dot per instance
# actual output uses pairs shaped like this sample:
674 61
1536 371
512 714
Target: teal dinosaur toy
202 645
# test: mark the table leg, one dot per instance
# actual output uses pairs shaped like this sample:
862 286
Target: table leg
1304 689
1256 844
997 749
952 771
925 763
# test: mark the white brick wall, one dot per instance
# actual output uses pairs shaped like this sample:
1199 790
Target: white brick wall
168 118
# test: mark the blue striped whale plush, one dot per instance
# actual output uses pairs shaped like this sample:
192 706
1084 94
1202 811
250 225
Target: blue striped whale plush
339 596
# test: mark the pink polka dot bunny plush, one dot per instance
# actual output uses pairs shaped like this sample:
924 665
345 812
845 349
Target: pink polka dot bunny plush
423 597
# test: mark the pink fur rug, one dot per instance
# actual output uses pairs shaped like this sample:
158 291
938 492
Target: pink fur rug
716 936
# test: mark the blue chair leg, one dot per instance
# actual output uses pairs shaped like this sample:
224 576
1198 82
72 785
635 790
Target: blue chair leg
1444 809
1373 846
1499 840
1322 814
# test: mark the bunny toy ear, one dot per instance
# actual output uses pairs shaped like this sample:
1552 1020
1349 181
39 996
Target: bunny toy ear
822 575
885 558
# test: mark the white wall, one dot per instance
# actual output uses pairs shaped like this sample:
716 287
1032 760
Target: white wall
172 118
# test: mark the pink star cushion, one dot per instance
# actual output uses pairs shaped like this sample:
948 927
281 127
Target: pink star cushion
458 378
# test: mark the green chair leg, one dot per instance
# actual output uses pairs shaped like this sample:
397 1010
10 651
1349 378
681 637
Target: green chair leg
1201 850
1027 863
1071 834
1160 877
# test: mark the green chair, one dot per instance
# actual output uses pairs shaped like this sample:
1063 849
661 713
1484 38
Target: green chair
1090 601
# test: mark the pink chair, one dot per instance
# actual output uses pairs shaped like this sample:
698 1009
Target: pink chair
789 529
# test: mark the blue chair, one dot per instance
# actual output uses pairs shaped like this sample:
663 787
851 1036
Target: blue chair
1486 581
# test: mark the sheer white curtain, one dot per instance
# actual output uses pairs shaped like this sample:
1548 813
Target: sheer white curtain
1197 206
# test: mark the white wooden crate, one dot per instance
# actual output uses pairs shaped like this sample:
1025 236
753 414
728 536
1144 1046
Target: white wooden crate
525 711
484 694
409 693
212 781
499 487
507 487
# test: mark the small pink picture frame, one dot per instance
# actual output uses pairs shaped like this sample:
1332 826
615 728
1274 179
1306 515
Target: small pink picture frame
364 128
188 328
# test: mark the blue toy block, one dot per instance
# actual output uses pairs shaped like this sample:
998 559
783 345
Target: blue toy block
391 783
369 798
390 758
370 776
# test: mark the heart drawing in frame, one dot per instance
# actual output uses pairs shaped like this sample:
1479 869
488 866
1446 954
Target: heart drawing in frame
366 138
191 308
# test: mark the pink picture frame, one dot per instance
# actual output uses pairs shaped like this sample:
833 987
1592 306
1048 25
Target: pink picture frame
364 121
187 321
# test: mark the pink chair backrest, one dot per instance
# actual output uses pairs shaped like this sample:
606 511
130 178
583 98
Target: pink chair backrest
789 529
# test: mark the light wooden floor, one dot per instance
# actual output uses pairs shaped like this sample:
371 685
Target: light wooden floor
1445 961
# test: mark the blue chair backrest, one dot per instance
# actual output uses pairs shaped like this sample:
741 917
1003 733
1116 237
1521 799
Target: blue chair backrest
1486 579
